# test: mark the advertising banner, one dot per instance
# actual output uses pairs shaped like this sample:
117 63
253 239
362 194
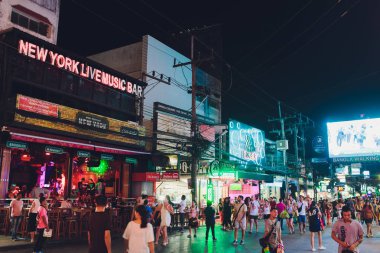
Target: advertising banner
246 143
77 122
354 138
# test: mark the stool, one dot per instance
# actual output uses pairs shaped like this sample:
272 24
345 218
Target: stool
72 227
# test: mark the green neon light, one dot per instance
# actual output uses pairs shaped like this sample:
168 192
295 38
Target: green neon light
103 167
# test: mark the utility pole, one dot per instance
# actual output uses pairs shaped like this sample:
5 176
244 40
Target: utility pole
282 120
194 120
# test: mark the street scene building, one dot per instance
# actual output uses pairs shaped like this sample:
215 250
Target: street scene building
110 130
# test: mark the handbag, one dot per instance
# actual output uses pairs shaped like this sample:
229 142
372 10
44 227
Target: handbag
237 214
48 234
265 240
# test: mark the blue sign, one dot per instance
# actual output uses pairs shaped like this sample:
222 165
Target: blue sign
247 144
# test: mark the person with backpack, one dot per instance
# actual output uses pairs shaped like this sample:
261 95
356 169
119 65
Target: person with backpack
315 225
302 206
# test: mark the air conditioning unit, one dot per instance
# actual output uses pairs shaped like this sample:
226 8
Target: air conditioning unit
282 145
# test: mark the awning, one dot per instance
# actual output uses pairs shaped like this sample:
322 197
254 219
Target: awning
37 16
255 176
37 137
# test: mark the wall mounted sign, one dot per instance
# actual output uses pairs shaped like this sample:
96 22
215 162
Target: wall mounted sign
83 154
106 157
17 145
92 121
79 68
75 121
54 150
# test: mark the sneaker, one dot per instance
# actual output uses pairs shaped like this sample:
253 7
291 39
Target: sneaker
189 236
235 243
195 236
241 242
214 239
313 249
322 247
250 232
371 235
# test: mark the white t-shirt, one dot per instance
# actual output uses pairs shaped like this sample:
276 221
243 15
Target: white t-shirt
182 206
16 206
255 205
138 238
304 207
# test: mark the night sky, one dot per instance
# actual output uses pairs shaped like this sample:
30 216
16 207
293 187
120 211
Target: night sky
319 57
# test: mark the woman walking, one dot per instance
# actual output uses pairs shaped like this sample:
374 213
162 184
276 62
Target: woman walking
166 210
42 225
193 219
227 214
32 220
315 226
267 208
289 221
368 215
138 235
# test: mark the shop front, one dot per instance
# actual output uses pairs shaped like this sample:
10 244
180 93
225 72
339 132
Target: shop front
69 125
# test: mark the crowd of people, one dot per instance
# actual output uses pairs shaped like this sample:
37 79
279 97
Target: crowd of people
150 223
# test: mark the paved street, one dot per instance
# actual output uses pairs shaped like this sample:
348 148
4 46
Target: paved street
180 243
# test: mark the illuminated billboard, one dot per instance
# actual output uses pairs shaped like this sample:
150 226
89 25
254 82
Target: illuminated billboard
246 143
354 138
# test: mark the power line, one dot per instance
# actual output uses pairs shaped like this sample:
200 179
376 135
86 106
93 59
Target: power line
295 38
248 54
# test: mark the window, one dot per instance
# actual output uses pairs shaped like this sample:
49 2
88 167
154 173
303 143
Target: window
85 88
127 103
52 77
99 93
113 98
69 83
29 23
36 72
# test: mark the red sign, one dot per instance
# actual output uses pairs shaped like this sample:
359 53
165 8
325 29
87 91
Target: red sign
37 106
170 175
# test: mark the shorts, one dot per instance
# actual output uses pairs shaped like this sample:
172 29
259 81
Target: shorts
253 217
32 222
368 221
181 218
193 222
266 216
242 224
302 218
290 216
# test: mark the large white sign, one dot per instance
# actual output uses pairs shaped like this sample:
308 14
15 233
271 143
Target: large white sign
354 138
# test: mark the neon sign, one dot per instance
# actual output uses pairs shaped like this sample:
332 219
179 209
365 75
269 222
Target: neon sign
246 143
76 67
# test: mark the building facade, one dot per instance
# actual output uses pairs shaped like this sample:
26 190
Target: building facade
39 18
63 118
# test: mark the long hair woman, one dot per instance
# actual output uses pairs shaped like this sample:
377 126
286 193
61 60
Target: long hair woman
166 210
315 226
138 235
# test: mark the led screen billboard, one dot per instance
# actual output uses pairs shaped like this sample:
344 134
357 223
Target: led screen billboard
354 138
246 143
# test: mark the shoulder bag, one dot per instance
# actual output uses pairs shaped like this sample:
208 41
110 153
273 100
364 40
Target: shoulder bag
264 242
300 208
237 214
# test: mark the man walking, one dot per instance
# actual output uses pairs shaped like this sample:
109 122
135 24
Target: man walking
302 206
16 212
182 207
99 234
240 220
210 220
254 214
348 233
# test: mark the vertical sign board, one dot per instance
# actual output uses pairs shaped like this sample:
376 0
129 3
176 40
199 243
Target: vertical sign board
210 192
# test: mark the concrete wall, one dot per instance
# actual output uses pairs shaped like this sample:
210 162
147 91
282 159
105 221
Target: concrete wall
126 59
52 14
